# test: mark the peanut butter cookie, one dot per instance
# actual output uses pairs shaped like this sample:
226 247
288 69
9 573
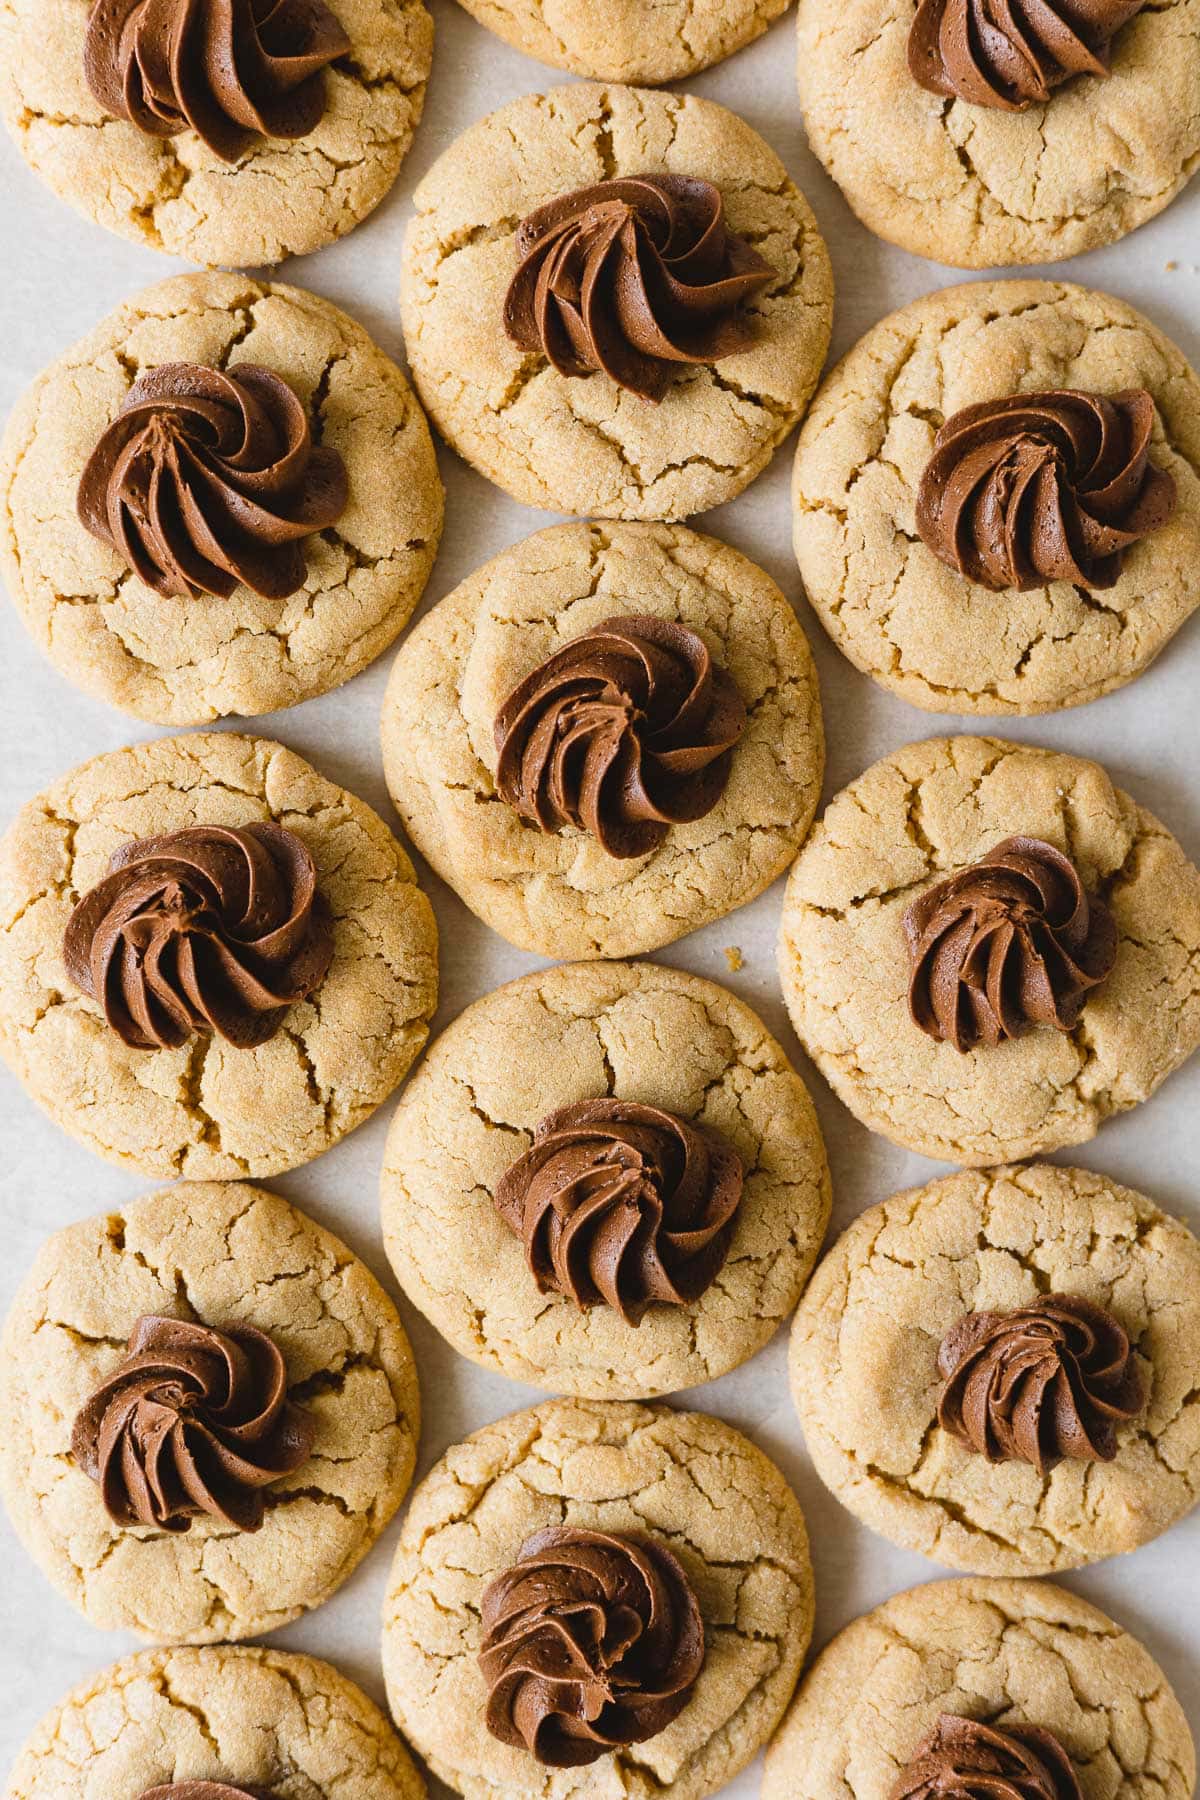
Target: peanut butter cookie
632 40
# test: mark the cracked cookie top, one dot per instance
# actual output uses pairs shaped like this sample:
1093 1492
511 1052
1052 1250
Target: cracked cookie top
192 1261
584 444
244 169
927 812
629 40
513 628
1002 1370
193 1103
482 1146
986 158
996 498
215 1724
252 535
683 1480
1012 1654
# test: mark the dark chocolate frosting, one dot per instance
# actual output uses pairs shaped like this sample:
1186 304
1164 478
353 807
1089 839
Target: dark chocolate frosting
633 277
208 478
962 1759
1044 487
231 70
624 732
193 1421
1012 54
623 1204
1009 943
213 928
201 1790
591 1640
1046 1381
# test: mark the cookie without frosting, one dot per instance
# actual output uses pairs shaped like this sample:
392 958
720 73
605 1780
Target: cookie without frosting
207 1109
866 1377
684 1479
630 40
561 892
278 198
555 1039
933 635
981 187
232 1258
583 444
188 660
211 1715
927 812
1012 1653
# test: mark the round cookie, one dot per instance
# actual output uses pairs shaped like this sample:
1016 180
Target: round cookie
227 1256
866 1383
179 1715
929 810
633 40
645 1034
980 187
175 194
1006 1652
584 445
186 661
208 1110
692 1483
563 894
902 616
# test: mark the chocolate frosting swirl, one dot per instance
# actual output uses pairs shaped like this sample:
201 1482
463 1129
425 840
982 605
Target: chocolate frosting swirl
590 1641
1011 942
633 277
961 1759
232 70
1012 54
624 1205
1044 487
213 928
208 478
201 1790
193 1421
1039 1384
624 732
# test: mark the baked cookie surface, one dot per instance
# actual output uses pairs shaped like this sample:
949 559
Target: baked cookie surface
218 1714
930 810
685 1479
278 199
229 1257
562 893
583 444
980 187
633 40
189 660
866 1381
1009 1652
648 1035
208 1110
931 634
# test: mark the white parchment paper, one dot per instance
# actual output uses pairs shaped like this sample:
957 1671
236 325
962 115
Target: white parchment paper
58 276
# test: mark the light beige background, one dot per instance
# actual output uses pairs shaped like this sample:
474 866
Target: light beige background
58 275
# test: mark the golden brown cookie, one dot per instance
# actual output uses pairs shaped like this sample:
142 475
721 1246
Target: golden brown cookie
1012 1653
640 1034
229 1258
185 661
628 40
867 1380
562 892
206 1108
582 444
928 812
689 1482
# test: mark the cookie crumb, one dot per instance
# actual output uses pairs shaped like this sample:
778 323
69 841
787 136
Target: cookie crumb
734 958
1172 264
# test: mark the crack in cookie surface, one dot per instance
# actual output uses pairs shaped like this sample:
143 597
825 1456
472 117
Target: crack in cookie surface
634 41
